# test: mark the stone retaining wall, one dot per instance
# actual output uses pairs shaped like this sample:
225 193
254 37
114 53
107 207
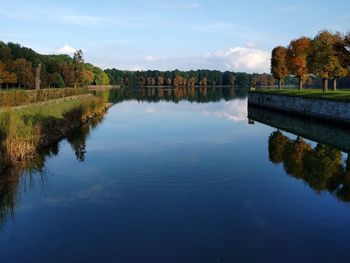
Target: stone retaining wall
330 110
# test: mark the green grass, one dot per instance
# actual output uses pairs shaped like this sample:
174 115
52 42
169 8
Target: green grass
10 98
53 109
23 130
339 95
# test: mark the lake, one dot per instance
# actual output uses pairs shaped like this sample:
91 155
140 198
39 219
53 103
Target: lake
182 176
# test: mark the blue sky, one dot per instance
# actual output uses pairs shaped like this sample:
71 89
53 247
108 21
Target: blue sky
223 35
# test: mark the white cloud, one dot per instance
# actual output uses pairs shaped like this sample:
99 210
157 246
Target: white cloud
66 49
238 59
150 58
150 110
234 110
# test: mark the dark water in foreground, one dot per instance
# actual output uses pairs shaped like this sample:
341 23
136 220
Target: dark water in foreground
192 181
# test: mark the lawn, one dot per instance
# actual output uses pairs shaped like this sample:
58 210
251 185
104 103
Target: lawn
339 95
52 109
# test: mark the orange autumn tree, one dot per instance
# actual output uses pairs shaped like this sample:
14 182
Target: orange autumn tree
297 57
279 68
160 81
24 72
6 77
88 76
178 81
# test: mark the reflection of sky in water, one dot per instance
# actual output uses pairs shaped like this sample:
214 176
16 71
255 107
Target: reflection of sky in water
235 110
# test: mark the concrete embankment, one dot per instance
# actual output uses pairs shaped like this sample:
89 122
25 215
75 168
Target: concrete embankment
322 109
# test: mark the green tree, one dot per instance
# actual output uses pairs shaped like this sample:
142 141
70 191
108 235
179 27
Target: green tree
78 69
5 54
341 67
55 80
323 59
105 79
68 74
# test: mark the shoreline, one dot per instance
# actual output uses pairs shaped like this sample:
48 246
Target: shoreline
61 130
333 111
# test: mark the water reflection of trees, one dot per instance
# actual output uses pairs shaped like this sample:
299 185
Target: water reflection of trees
23 176
78 138
321 167
192 94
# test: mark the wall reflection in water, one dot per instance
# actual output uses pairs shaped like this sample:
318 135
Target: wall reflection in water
320 166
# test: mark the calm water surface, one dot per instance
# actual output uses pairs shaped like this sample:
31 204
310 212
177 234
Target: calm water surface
187 181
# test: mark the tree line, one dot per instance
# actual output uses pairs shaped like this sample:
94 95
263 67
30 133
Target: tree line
305 61
326 56
177 78
24 68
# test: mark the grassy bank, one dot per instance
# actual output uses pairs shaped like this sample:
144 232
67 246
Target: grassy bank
10 98
24 131
339 95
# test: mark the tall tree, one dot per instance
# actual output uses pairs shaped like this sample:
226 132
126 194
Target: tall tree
78 57
78 62
279 68
323 58
88 76
24 72
160 81
6 77
232 80
5 53
105 79
37 76
253 81
68 74
297 55
341 67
